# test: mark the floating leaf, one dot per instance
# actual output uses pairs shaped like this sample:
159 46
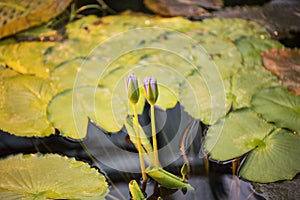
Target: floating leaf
49 176
222 51
76 73
166 178
205 102
27 57
247 82
69 111
278 159
285 64
251 47
235 135
23 104
277 105
232 29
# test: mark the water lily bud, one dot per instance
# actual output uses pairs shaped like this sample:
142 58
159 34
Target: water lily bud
151 90
133 89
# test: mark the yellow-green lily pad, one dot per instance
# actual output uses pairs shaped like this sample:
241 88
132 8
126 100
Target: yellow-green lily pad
278 159
70 110
235 135
23 104
278 106
50 176
251 47
247 82
27 57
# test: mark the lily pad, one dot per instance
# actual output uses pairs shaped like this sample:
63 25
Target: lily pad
285 64
238 133
70 110
49 176
204 101
277 105
27 57
247 82
222 51
251 47
278 159
23 104
232 29
83 71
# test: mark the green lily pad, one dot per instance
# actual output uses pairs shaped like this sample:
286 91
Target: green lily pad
251 47
23 104
222 51
237 133
277 105
278 159
247 82
205 102
27 57
83 72
232 29
70 110
49 176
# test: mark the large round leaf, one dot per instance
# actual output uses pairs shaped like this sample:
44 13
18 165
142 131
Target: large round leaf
232 29
277 159
204 101
277 105
23 104
235 135
247 82
69 111
27 57
222 51
251 47
49 176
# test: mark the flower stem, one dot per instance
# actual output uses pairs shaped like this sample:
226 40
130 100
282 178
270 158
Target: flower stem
154 140
139 143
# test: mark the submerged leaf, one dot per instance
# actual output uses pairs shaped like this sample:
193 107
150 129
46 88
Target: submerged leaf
235 135
49 176
23 104
277 160
277 105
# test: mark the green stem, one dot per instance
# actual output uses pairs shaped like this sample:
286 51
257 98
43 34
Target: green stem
139 143
154 140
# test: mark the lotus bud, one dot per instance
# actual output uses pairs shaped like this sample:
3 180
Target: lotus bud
133 89
151 90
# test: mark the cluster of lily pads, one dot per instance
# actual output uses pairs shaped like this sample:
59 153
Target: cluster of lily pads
212 68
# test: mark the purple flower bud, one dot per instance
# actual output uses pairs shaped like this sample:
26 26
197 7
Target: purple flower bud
151 90
133 88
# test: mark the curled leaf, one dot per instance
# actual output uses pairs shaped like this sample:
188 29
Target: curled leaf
135 190
166 178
